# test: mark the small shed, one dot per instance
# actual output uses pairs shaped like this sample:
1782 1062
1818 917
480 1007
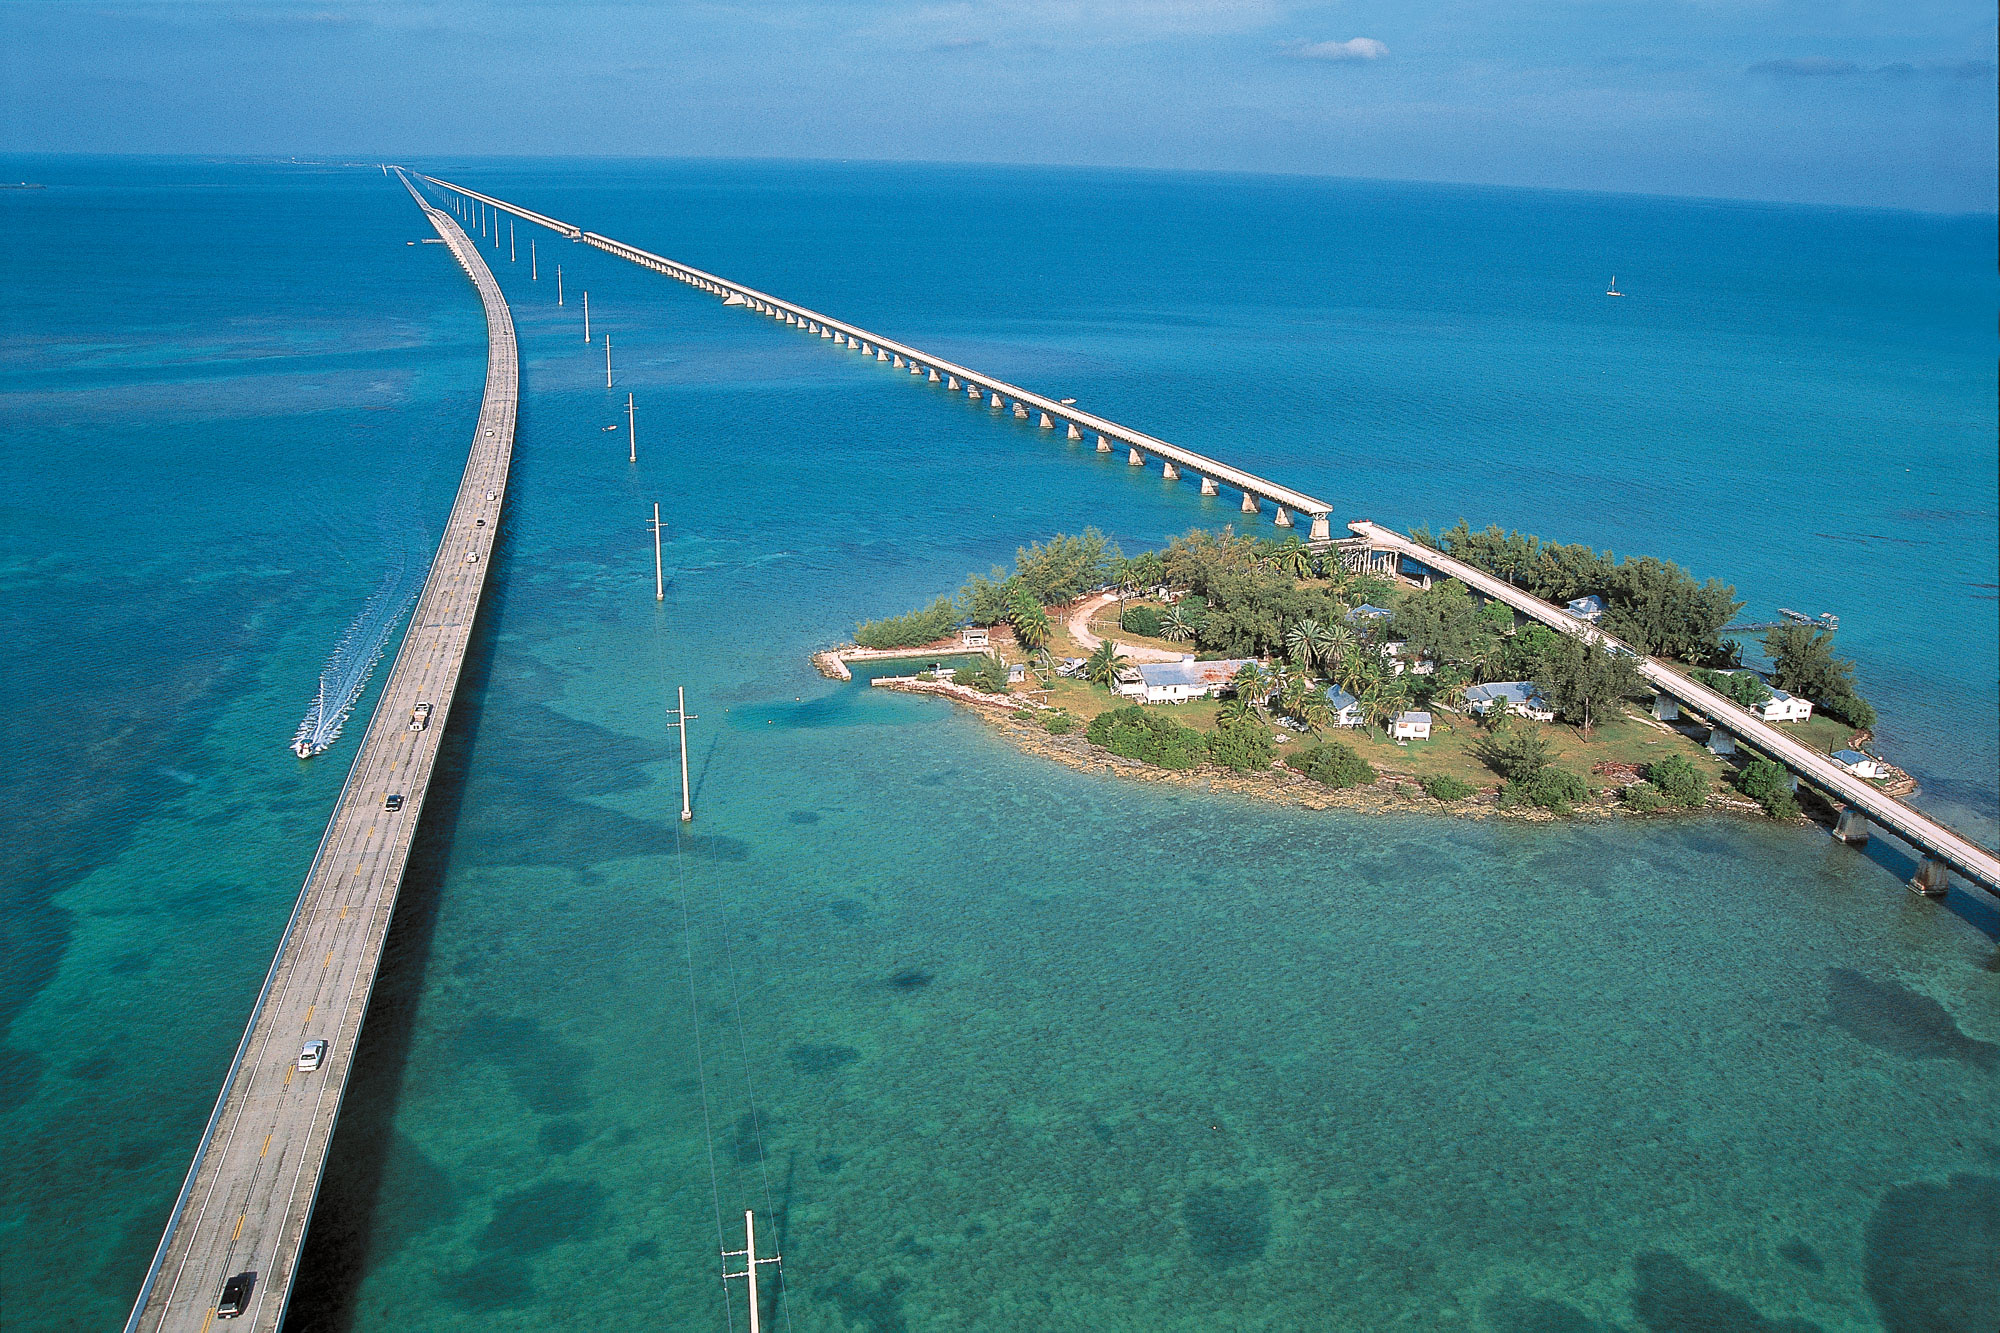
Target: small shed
1411 726
1017 672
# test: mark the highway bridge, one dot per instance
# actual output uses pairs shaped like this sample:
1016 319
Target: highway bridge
1174 460
1938 845
249 1194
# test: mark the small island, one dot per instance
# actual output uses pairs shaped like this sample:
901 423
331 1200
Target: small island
1305 672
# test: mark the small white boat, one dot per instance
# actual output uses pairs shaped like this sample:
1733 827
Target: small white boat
305 749
1612 290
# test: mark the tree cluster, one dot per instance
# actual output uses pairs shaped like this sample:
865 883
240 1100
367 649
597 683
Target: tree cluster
1332 765
1154 738
1745 688
1804 664
1652 604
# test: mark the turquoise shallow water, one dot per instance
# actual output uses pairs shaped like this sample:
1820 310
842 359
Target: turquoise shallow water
992 1044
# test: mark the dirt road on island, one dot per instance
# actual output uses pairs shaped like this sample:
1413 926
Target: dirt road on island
1079 629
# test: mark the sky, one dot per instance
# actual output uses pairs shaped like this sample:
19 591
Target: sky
1825 101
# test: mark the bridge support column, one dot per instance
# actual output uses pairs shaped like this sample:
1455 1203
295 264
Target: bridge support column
826 333
934 375
996 401
1020 412
1720 743
916 369
972 392
897 361
951 382
1322 529
881 355
1169 471
1047 424
1074 433
1208 486
1851 826
1135 458
1933 878
1103 445
1666 708
1282 519
1249 503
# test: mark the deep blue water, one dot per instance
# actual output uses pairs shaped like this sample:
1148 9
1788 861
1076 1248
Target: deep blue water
992 1044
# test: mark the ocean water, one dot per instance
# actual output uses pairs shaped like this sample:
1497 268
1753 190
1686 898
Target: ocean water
986 1043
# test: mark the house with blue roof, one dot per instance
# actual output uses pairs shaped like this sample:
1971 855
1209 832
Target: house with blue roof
1782 707
1177 682
1346 708
1367 612
1522 697
1589 608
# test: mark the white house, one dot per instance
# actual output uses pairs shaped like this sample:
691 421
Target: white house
1397 654
1522 697
1782 707
972 636
1177 682
1589 608
1346 708
1859 764
1411 726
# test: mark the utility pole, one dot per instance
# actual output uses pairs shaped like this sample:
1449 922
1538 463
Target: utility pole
750 1261
534 268
607 360
682 715
632 432
558 284
659 579
513 257
586 316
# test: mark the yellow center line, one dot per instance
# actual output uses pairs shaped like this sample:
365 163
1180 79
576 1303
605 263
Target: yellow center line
238 1233
309 1016
267 1146
211 1319
329 959
288 1077
343 911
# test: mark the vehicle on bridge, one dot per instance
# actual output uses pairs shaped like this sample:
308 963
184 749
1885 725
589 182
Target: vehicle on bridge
420 716
235 1298
311 1056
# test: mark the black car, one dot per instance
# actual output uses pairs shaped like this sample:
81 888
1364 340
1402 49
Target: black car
394 802
235 1296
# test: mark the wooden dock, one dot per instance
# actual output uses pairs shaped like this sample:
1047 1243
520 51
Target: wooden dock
249 1194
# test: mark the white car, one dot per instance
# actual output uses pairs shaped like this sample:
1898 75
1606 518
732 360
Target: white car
311 1056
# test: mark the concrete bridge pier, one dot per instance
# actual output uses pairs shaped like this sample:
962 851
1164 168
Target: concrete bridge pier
1933 878
1720 743
1020 411
1281 518
1169 471
881 355
1249 503
1851 826
972 392
934 375
1103 445
1322 528
897 361
1208 486
951 382
1666 708
1135 458
826 333
916 369
1074 433
996 401
1047 424
851 341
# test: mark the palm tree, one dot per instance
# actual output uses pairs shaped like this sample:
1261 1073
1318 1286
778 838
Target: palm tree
1301 642
1314 710
1296 559
1357 670
1385 697
1176 626
1252 682
1031 623
1105 664
1236 708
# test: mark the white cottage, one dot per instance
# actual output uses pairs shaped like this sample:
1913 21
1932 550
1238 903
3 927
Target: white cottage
1177 682
1782 707
1411 726
1346 708
1859 764
1522 697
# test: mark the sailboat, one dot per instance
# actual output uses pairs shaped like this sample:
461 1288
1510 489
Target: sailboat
1612 290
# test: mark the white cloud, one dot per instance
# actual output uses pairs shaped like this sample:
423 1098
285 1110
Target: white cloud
1354 48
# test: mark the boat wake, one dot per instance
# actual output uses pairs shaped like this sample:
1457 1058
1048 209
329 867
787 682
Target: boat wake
355 656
